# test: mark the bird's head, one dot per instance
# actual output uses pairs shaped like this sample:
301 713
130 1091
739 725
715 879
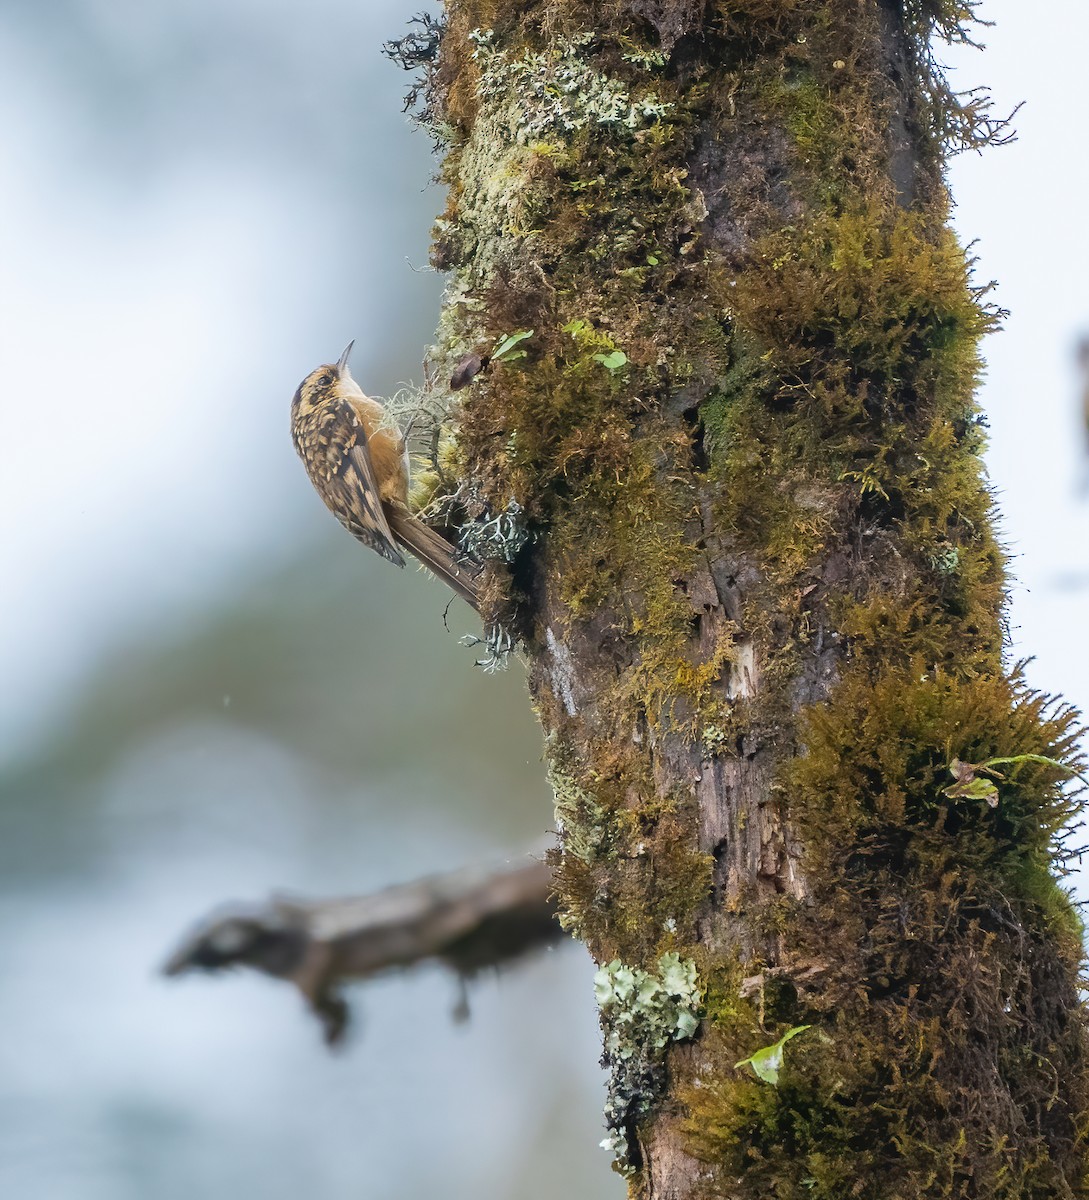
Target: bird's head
327 382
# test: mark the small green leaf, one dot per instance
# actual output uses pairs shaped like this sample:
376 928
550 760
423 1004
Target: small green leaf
973 789
505 345
612 361
970 784
768 1062
651 260
579 326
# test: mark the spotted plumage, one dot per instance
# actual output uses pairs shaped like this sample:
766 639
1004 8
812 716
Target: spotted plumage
332 442
357 462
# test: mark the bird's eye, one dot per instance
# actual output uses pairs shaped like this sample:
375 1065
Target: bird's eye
325 378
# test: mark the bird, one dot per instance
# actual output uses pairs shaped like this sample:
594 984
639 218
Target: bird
357 460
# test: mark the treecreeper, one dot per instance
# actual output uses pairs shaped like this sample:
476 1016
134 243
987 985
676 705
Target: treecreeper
357 460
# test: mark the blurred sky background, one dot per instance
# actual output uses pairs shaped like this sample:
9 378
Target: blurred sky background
199 202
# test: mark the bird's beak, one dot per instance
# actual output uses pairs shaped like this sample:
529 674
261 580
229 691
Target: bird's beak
342 362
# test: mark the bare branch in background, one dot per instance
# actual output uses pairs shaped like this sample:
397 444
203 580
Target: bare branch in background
468 920
1083 372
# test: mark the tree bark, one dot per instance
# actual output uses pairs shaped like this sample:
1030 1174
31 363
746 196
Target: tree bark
748 548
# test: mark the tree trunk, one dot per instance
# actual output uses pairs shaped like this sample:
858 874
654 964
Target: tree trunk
731 492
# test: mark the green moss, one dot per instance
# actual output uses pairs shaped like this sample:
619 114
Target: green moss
642 894
1033 879
848 303
878 1099
628 871
931 1018
877 753
629 554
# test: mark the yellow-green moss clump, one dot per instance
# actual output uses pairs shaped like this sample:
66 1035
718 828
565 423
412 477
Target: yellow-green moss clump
938 961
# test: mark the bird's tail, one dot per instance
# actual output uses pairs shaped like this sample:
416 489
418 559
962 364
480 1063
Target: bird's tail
434 552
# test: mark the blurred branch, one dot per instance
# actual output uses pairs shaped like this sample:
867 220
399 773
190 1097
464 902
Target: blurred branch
467 920
1083 370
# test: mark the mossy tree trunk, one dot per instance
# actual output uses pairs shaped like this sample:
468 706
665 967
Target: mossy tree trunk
762 598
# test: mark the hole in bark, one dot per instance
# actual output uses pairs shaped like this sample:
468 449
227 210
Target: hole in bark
880 510
698 451
721 871
635 1150
527 578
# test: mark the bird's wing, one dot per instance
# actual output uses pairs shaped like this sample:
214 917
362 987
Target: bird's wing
351 480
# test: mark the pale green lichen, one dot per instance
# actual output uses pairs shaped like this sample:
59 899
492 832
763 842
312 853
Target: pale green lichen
647 1011
580 819
496 172
535 103
498 646
714 739
557 91
495 537
642 1013
946 561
